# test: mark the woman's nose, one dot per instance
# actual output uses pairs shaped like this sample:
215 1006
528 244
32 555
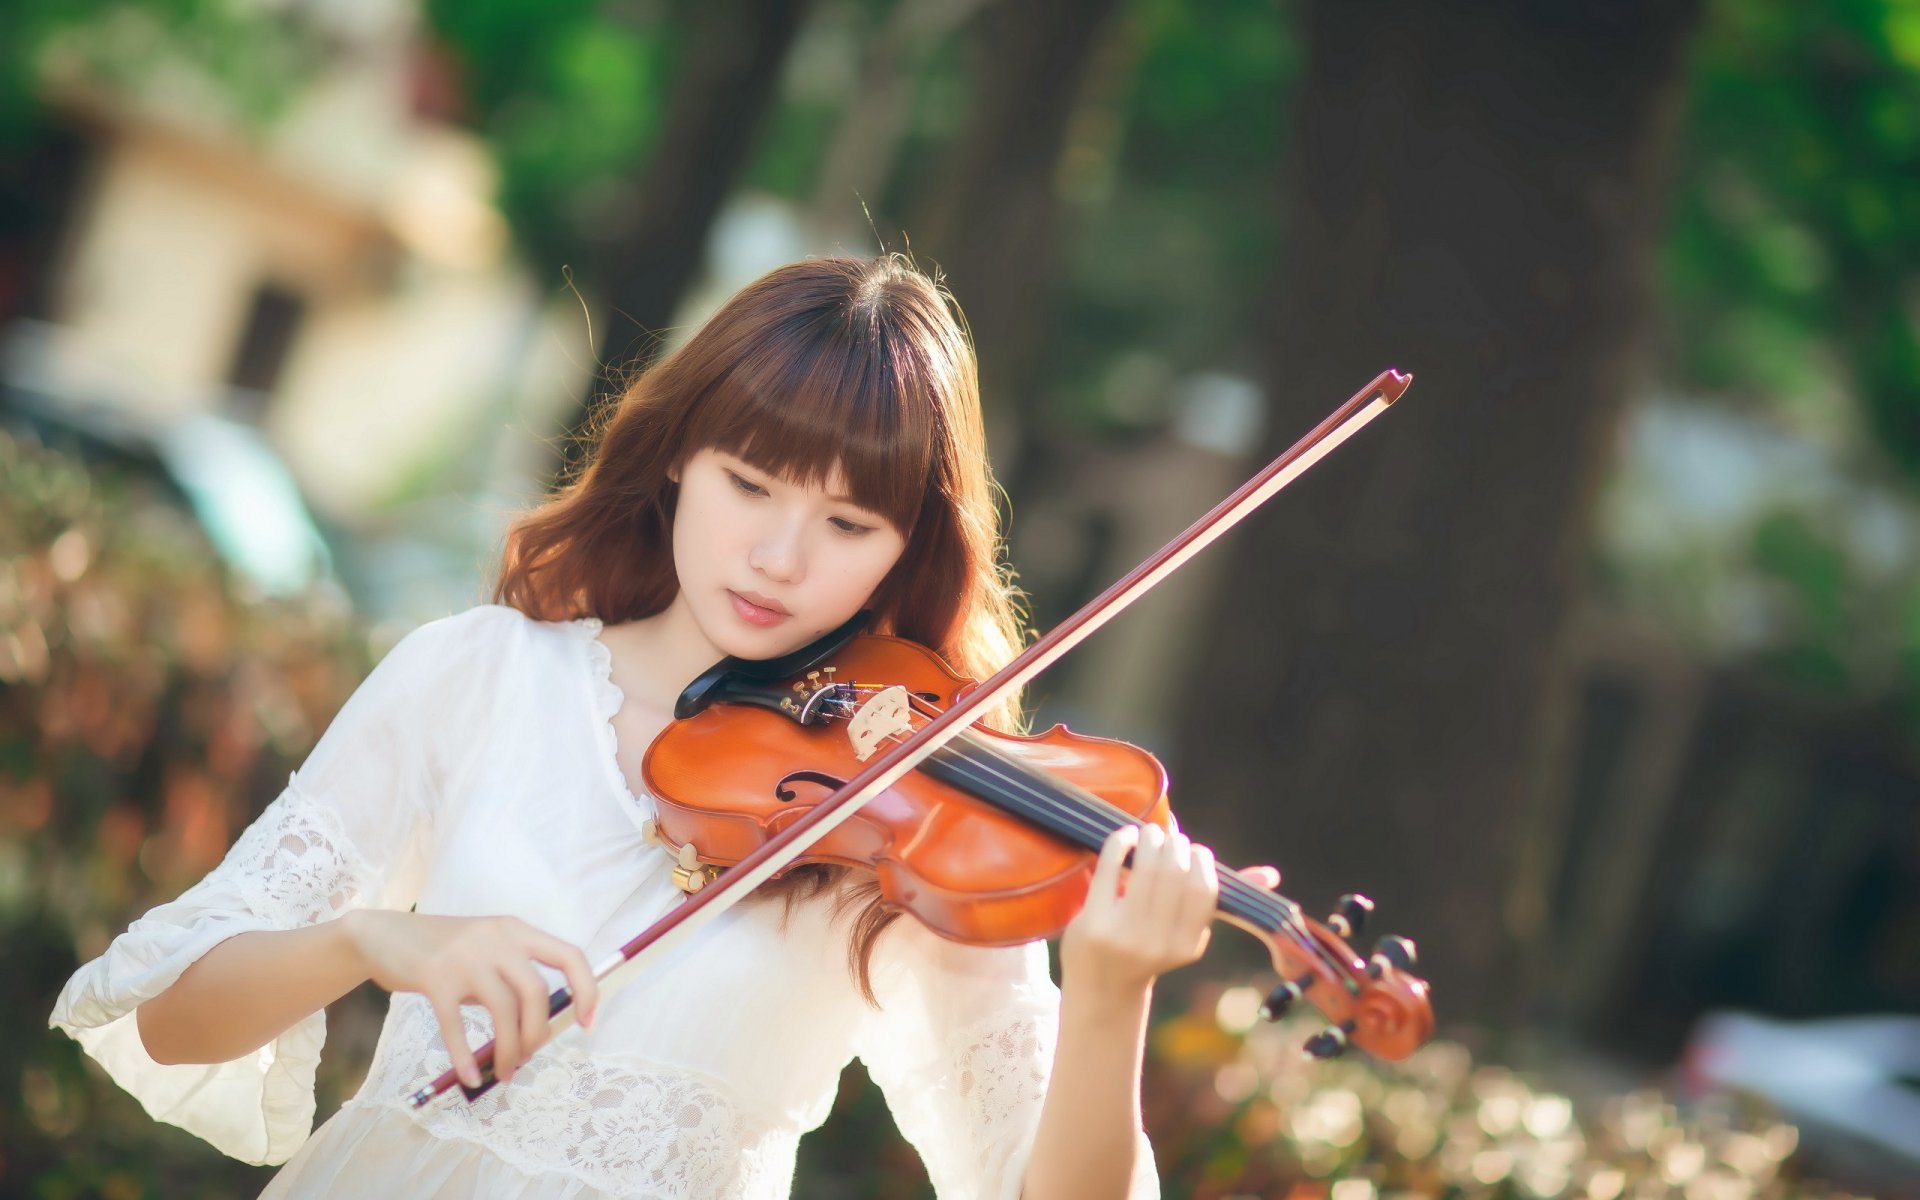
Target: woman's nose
777 554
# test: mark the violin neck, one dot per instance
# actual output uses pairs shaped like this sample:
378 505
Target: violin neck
1082 819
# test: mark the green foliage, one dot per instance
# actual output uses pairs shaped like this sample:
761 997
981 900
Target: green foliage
1795 239
1813 570
1172 233
571 96
253 55
1789 263
792 149
1177 250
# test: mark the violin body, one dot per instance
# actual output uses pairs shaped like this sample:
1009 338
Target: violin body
729 778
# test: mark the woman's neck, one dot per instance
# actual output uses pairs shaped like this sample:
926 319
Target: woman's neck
668 651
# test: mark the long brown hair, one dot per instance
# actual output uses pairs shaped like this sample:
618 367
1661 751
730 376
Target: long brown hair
855 363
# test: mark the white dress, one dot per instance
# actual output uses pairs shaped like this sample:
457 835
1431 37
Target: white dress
474 773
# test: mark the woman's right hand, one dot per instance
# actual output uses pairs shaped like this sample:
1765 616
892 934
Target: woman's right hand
473 960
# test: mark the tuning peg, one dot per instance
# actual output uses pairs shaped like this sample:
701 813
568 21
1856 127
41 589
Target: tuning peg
1349 914
1399 952
1330 1042
1279 1000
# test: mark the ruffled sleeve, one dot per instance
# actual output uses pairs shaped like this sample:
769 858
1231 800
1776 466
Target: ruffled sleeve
350 830
962 1046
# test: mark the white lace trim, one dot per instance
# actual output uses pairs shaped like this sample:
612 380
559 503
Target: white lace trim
295 865
609 699
623 1129
1000 1070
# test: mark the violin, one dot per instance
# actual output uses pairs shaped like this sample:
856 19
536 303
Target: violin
862 751
992 841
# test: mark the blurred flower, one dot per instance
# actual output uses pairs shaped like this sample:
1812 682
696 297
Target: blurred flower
1236 1109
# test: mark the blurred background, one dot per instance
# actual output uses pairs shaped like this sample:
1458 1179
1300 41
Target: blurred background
1596 661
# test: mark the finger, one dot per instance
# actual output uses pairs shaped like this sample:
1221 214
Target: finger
1146 884
1182 847
1105 887
565 957
1173 899
1263 877
453 1031
499 999
532 991
1204 897
581 984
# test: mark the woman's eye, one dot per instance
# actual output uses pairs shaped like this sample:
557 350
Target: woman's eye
846 526
746 485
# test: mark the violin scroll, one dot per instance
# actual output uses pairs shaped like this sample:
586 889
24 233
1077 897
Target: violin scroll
1375 1003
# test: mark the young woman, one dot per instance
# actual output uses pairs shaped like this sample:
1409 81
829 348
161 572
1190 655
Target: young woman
472 830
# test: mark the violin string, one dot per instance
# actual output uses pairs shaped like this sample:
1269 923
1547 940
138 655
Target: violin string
989 761
1084 816
1254 901
1080 815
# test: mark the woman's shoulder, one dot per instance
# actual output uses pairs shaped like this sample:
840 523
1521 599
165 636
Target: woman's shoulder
485 633
499 621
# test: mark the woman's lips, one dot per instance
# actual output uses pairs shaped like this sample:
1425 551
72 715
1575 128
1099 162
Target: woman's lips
756 614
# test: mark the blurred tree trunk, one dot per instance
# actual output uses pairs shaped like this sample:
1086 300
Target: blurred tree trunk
725 85
866 144
1474 194
989 221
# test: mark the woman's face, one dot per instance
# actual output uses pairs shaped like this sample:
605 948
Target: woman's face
767 565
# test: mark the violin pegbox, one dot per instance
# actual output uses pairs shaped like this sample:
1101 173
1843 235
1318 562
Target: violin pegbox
887 715
1375 1003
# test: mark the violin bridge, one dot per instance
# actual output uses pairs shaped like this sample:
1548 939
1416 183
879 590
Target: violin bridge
887 715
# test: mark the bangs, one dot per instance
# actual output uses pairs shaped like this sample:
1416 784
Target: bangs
823 390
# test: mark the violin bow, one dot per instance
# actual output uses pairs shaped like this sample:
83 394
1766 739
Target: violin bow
886 768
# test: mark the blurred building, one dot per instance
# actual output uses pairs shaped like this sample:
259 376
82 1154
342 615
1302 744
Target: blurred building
337 277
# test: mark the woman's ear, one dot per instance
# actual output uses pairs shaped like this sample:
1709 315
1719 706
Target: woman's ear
673 472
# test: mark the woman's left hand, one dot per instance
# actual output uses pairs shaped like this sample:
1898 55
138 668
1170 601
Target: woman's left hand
1158 917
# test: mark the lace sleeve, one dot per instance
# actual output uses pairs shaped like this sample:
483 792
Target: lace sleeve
963 1048
348 831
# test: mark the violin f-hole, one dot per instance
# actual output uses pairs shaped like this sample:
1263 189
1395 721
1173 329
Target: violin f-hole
783 788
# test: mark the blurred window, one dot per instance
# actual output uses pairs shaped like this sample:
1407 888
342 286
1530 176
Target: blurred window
273 321
41 187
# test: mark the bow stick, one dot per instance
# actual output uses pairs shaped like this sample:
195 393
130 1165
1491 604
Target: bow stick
888 767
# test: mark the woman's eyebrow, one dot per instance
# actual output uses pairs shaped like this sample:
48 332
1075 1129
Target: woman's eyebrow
835 497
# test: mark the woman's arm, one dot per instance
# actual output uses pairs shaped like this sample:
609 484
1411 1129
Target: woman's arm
1089 1125
248 990
1124 938
252 987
